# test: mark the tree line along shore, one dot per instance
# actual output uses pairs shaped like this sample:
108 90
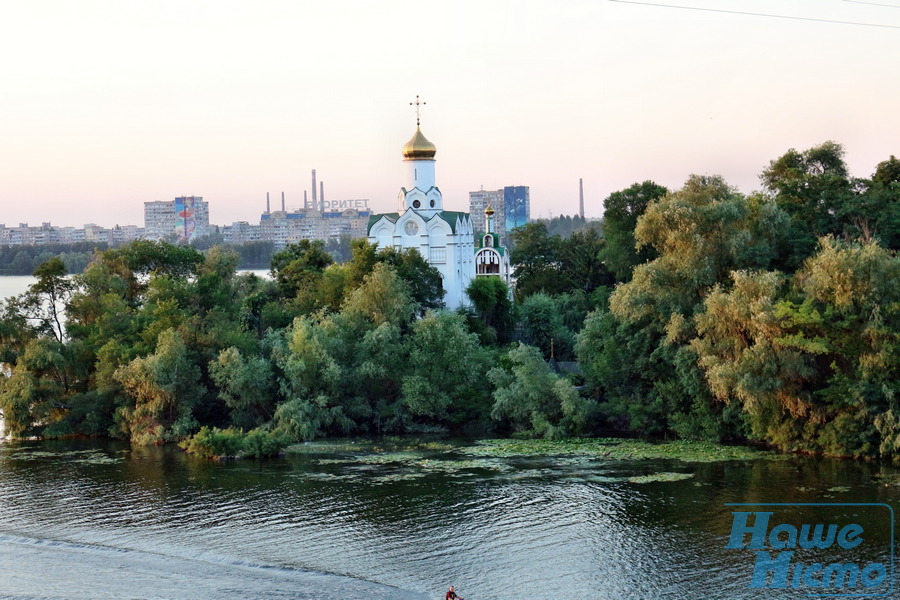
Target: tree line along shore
699 313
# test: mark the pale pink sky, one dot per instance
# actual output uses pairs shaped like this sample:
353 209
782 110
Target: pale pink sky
106 104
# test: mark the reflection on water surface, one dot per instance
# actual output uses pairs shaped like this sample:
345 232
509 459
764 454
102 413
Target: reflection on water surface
89 519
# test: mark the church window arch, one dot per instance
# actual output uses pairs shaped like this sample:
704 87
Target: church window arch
487 262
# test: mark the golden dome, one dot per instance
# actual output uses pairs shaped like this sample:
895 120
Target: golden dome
419 148
489 210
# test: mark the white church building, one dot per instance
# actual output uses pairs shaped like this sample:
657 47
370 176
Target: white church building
446 239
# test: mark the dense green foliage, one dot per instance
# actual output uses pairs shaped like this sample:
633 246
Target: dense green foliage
554 265
162 343
621 211
564 226
749 324
212 442
532 398
704 314
491 299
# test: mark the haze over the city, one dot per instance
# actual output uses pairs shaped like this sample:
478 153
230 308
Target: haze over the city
107 104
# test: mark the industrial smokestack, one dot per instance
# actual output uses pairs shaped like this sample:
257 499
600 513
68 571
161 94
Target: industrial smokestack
305 204
581 197
282 202
322 194
315 204
267 202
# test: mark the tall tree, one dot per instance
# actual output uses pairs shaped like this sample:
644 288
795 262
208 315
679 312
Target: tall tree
424 281
490 297
446 371
701 233
621 211
47 297
581 262
382 298
299 266
636 357
814 366
245 385
164 389
878 212
535 260
530 397
815 189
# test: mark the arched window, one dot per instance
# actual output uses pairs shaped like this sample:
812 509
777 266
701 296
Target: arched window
487 263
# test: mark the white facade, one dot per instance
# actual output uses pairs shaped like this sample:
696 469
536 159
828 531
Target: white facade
492 259
284 228
446 239
161 220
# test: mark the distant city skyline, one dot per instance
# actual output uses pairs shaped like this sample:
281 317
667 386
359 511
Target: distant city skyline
112 103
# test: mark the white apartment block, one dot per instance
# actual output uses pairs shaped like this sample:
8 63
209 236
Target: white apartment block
161 218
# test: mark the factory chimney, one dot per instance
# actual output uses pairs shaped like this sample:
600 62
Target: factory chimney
267 202
581 197
305 204
322 194
282 202
315 203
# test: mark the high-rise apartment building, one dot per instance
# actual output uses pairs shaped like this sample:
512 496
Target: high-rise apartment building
512 206
479 202
185 216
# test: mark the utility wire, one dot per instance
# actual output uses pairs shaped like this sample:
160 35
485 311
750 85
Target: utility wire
736 12
872 3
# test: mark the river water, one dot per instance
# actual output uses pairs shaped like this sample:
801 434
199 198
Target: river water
102 520
13 285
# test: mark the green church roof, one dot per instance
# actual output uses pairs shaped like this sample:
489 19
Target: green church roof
479 243
392 217
452 217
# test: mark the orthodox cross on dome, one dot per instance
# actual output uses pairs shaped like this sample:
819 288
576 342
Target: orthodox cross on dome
417 104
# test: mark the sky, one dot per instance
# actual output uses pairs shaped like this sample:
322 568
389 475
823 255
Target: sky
107 104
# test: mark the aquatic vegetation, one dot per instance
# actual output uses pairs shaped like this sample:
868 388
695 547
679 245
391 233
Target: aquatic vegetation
387 444
328 447
409 465
393 477
385 457
586 461
655 477
322 476
615 449
590 461
90 457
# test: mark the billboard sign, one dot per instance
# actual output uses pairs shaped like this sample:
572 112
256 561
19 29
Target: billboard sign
516 206
184 218
335 205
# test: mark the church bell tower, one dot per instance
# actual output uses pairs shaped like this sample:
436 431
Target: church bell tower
420 194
